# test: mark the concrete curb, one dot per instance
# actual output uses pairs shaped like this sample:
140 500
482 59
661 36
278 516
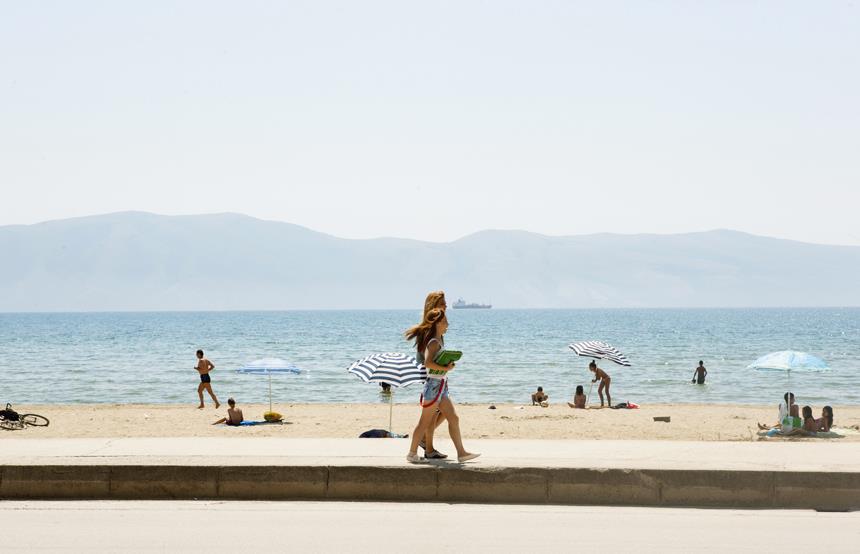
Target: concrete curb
521 485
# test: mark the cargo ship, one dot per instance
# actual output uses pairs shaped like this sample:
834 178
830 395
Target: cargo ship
461 304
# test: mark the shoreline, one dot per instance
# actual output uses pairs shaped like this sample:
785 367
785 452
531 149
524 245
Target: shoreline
696 422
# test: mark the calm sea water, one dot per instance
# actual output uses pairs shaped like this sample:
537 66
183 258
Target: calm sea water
149 357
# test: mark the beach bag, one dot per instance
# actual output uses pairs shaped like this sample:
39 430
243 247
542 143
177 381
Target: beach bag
9 414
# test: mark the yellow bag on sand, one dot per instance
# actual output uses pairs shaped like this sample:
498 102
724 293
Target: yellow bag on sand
272 416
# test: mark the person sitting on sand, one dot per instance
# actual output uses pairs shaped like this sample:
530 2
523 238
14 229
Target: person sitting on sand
789 415
605 381
234 414
825 422
699 374
578 398
540 398
810 424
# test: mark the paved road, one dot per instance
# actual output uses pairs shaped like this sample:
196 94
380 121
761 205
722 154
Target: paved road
237 527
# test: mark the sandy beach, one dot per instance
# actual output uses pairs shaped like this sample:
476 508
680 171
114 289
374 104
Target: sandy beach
507 421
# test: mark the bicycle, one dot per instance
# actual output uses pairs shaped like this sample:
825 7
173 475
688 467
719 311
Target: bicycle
11 420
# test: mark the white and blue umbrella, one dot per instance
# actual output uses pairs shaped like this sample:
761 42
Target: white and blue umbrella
269 366
393 368
789 360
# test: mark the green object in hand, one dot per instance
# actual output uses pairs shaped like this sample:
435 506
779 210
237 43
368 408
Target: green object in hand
445 357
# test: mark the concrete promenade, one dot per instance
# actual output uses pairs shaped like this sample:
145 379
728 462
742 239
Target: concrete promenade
804 474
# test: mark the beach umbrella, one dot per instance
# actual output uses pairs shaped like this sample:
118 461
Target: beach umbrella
269 366
398 370
789 360
601 350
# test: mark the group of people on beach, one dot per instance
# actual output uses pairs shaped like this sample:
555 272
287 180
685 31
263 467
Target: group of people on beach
795 421
540 398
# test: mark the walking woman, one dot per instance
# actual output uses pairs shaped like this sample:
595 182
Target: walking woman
428 337
434 300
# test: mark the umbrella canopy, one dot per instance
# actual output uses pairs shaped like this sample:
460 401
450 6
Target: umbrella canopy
601 350
269 366
789 360
398 370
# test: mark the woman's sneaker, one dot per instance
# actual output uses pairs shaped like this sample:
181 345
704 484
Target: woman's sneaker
466 457
416 459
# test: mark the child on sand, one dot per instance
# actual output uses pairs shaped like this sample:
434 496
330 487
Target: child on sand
203 367
605 381
234 414
540 398
825 422
810 425
578 398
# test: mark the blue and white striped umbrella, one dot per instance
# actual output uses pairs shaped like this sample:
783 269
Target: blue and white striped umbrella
269 366
398 370
601 350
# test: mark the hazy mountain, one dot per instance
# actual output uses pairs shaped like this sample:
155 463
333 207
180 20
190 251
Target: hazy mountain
141 261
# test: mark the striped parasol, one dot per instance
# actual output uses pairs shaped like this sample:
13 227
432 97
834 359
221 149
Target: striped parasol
601 350
398 370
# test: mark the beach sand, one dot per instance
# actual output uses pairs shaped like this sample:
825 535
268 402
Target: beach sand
508 421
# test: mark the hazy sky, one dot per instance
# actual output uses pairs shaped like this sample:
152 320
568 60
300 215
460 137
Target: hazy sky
436 119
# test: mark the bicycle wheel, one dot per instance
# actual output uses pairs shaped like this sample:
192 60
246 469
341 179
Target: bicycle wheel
11 425
34 420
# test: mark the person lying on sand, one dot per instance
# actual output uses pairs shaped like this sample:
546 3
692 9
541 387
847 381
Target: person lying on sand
540 398
578 398
810 424
234 414
825 422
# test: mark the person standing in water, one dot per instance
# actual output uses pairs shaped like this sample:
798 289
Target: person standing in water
605 381
699 374
203 367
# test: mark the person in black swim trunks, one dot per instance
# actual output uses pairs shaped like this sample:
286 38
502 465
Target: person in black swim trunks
203 367
699 374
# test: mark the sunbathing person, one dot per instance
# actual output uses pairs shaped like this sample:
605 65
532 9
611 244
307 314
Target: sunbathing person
234 414
810 424
825 422
788 417
605 381
578 398
540 398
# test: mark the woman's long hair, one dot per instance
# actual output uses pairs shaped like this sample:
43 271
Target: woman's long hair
426 330
829 415
433 300
579 389
807 413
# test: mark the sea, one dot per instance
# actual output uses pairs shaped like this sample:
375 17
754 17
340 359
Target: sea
62 358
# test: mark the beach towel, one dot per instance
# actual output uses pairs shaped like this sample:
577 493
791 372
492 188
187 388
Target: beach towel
249 423
380 434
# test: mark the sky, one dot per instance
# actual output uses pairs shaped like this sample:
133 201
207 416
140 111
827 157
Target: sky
433 120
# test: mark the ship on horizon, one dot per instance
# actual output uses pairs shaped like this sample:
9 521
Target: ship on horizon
461 304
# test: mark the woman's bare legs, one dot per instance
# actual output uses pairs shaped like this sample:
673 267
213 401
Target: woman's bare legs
608 396
447 409
600 392
428 435
424 423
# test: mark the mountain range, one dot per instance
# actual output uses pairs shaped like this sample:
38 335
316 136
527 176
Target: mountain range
143 261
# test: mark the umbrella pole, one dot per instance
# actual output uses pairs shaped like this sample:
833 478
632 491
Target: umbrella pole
588 398
270 391
390 410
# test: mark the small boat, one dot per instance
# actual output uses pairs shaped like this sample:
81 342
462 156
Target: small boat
461 304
